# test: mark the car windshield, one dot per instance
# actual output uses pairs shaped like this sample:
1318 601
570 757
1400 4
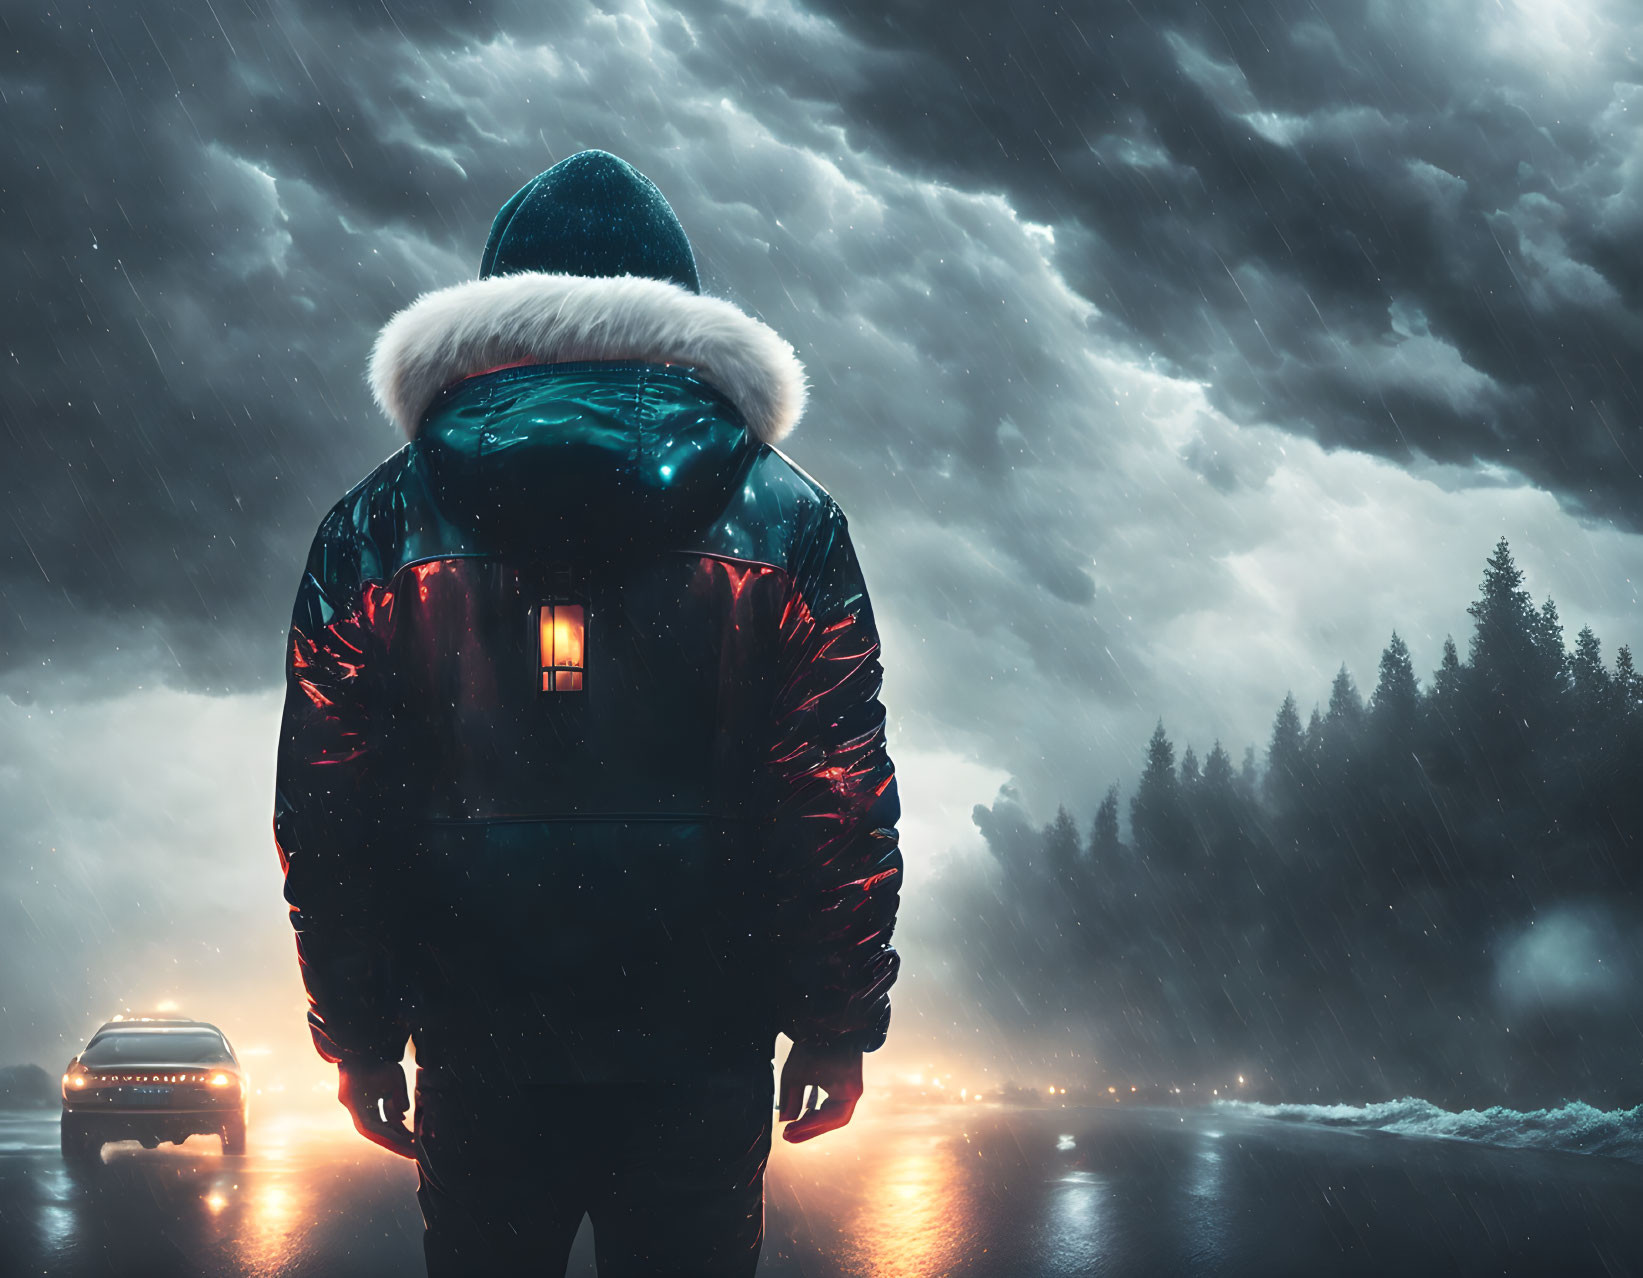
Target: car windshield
157 1047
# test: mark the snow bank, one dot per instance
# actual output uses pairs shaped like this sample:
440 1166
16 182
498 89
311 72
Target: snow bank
1576 1127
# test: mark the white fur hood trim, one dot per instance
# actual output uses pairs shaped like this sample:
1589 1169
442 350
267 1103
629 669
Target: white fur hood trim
537 317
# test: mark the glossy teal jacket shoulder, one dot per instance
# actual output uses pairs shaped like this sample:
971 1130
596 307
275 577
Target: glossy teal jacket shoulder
643 854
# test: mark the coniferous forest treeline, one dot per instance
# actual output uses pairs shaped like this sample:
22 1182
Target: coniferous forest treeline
1430 890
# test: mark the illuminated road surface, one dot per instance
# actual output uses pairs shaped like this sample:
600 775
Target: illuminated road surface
946 1191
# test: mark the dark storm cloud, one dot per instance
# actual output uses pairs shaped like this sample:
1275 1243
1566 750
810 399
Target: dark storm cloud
1382 226
175 352
213 218
1334 220
994 242
217 217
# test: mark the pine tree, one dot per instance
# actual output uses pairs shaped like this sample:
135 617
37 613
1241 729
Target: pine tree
1627 685
1396 700
1063 849
1190 775
1155 808
1313 742
1248 774
1590 679
1448 733
1508 638
1104 832
1446 680
1552 669
1218 778
1343 723
1345 705
1286 767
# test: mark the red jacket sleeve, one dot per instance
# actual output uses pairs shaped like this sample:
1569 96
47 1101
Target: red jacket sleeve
328 813
835 852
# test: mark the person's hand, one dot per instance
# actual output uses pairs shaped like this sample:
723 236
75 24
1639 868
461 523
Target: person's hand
375 1096
806 1075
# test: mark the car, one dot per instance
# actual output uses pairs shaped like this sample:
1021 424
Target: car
153 1079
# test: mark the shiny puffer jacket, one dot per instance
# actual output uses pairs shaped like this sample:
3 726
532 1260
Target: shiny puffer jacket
582 774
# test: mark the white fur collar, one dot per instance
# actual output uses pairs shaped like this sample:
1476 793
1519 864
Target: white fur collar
545 318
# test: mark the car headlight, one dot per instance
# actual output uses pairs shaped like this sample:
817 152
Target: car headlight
221 1080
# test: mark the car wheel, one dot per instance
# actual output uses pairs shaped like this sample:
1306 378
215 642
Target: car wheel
79 1146
233 1136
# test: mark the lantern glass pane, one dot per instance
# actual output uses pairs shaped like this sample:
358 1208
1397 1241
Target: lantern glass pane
560 644
567 635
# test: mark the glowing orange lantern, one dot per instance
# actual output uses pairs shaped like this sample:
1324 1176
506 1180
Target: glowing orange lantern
561 631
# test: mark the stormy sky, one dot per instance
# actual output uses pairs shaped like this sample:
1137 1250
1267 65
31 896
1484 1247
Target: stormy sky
1164 355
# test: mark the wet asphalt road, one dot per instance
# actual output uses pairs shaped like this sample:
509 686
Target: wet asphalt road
943 1191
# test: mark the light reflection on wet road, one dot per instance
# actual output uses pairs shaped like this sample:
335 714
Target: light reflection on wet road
943 1191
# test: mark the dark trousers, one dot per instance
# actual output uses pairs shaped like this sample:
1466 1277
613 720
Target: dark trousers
671 1174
